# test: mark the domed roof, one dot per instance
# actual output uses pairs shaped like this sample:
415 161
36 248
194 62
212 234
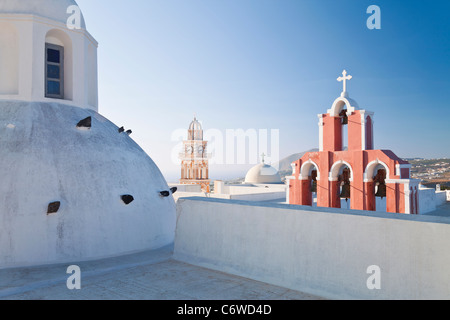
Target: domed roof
195 125
52 9
92 173
195 131
263 174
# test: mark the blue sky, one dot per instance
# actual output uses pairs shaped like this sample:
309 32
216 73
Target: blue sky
272 64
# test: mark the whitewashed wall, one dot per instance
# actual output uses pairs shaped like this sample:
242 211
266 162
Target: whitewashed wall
321 251
22 60
266 196
427 200
441 198
186 187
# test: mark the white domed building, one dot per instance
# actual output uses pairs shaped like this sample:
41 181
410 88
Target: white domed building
262 183
74 186
263 174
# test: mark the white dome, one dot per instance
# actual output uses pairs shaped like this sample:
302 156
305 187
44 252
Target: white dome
263 174
195 125
45 158
195 131
52 9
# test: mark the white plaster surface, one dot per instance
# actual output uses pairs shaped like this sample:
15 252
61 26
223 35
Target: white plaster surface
261 196
45 158
186 187
441 198
441 211
148 275
247 192
321 251
52 9
427 200
25 27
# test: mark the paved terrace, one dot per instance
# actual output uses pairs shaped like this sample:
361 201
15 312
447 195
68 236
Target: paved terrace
151 275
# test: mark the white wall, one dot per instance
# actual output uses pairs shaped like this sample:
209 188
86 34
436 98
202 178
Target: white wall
221 188
321 251
22 50
243 189
186 187
235 192
441 198
266 196
427 200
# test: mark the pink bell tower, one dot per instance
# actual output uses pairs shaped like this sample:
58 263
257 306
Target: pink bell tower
352 170
194 158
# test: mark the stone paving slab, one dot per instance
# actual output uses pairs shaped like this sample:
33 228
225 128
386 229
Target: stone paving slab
151 275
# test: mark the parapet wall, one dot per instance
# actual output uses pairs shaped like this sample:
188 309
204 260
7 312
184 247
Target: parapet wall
321 251
263 196
441 198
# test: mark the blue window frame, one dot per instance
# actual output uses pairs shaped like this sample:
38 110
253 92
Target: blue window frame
54 71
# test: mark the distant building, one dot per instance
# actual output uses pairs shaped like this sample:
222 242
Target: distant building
359 176
263 174
194 158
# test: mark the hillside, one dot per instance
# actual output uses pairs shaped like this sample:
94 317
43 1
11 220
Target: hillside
283 166
430 171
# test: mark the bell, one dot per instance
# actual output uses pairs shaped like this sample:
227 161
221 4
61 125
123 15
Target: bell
313 186
344 117
381 192
345 193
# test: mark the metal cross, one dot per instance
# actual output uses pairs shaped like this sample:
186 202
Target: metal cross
263 155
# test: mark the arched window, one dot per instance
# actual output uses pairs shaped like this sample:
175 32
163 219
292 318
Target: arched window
314 181
376 173
344 183
58 65
341 177
54 71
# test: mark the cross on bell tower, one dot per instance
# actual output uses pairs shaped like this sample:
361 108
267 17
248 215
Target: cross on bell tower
344 79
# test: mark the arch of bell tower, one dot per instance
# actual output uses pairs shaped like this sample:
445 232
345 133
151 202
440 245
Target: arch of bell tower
368 173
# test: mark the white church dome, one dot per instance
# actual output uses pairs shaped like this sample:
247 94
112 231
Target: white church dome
52 9
90 174
263 174
73 185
